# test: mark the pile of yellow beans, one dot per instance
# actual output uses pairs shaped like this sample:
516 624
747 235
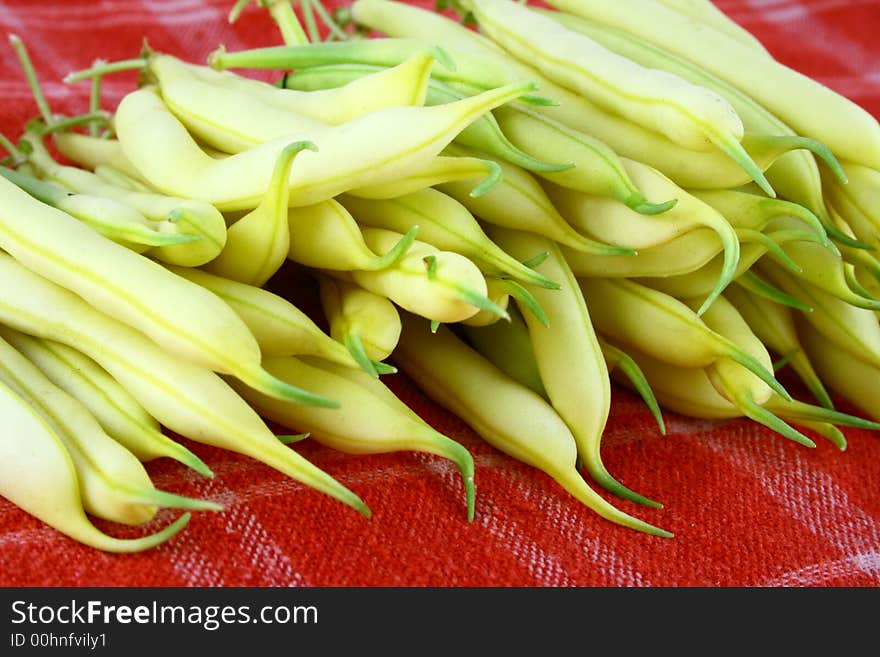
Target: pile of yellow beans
515 216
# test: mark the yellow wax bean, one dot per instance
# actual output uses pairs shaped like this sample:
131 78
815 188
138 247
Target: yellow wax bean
364 424
569 357
281 329
367 323
514 419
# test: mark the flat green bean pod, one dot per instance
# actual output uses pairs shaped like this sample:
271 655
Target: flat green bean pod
42 480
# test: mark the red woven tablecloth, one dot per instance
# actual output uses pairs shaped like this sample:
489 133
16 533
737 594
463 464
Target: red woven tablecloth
748 507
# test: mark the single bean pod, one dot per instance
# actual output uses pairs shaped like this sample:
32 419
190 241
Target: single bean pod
620 310
113 483
42 480
569 357
180 83
190 400
800 101
367 323
118 413
281 329
518 202
518 422
93 152
172 215
774 325
185 318
326 236
443 286
258 243
446 224
146 128
364 423
617 224
452 65
597 169
442 169
484 134
735 383
680 255
113 220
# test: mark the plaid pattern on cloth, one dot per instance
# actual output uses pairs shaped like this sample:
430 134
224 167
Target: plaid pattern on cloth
748 507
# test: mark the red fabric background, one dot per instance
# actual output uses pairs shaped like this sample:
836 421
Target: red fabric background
748 508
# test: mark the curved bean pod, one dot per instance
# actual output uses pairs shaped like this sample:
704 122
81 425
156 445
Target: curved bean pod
518 422
364 424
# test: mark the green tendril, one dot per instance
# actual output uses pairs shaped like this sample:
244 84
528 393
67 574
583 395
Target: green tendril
289 439
773 248
731 254
480 301
640 204
842 238
31 76
735 151
492 179
535 261
384 368
355 346
105 68
525 298
762 415
757 285
617 358
434 325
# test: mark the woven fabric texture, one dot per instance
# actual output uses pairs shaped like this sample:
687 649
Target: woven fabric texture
748 508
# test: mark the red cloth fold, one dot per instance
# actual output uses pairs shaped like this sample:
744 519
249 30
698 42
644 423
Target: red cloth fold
748 508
